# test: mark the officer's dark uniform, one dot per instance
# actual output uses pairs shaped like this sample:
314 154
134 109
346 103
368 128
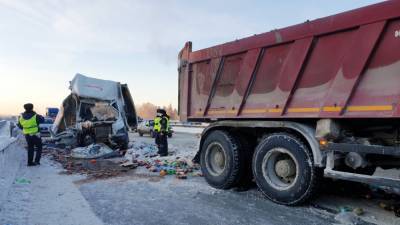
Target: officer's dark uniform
161 129
29 123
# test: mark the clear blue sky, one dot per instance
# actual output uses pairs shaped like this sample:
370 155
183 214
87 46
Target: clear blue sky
43 44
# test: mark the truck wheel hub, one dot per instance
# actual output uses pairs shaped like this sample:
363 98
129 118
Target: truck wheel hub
215 159
219 159
280 168
285 168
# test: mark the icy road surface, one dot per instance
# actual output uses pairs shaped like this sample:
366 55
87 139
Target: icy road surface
139 197
39 195
145 198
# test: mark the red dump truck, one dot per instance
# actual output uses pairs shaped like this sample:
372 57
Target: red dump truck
292 105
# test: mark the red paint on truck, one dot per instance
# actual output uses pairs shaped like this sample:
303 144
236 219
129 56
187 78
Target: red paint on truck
342 66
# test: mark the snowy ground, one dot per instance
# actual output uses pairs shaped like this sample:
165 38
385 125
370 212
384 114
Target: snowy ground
5 134
139 197
40 195
146 198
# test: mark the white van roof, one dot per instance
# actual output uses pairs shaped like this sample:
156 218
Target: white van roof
89 87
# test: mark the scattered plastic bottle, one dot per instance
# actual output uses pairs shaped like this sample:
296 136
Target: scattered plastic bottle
22 181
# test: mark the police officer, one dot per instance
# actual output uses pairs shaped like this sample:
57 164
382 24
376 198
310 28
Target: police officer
29 122
161 128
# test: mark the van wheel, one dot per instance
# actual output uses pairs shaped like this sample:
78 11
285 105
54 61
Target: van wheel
283 169
140 134
220 161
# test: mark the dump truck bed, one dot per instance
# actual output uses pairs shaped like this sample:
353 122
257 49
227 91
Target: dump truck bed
341 66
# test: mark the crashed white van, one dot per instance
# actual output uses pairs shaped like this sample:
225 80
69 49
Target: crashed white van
96 111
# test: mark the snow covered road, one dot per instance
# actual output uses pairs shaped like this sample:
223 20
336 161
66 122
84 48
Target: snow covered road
40 195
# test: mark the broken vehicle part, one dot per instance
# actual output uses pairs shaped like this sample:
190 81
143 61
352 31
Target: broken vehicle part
96 111
92 151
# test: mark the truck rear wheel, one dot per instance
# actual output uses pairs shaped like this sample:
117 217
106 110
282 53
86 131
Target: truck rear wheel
220 160
283 169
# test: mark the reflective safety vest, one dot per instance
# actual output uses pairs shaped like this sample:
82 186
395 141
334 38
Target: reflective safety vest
29 126
157 124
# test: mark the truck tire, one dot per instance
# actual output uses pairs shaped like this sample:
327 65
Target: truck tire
283 169
246 153
220 161
140 134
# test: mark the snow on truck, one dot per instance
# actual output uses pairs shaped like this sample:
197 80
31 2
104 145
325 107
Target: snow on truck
292 105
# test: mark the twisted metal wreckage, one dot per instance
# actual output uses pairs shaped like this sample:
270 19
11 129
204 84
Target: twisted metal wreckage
96 111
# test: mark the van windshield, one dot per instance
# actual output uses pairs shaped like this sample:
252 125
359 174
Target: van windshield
98 111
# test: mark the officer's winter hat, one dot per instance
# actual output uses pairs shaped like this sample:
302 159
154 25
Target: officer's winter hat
161 112
28 107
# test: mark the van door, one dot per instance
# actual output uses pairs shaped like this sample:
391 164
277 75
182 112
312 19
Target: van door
129 107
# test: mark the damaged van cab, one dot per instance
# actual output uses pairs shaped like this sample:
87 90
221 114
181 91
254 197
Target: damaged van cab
96 111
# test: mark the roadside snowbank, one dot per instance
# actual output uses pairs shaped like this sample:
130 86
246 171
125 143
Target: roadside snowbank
8 158
5 134
40 195
5 142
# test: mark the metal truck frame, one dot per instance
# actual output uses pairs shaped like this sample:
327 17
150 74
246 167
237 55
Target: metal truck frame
295 104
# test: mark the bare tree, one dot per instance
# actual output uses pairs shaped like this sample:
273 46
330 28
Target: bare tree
148 111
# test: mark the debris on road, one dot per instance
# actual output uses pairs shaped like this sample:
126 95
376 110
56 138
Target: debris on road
92 160
129 164
348 218
345 209
22 181
177 163
358 211
93 168
163 173
92 151
394 207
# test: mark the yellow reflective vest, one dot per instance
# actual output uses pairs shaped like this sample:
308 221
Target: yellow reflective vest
157 124
29 126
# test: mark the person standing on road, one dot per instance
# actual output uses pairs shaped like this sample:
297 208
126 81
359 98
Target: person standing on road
29 122
161 130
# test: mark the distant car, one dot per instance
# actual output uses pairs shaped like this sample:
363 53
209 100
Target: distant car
45 127
51 112
147 127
